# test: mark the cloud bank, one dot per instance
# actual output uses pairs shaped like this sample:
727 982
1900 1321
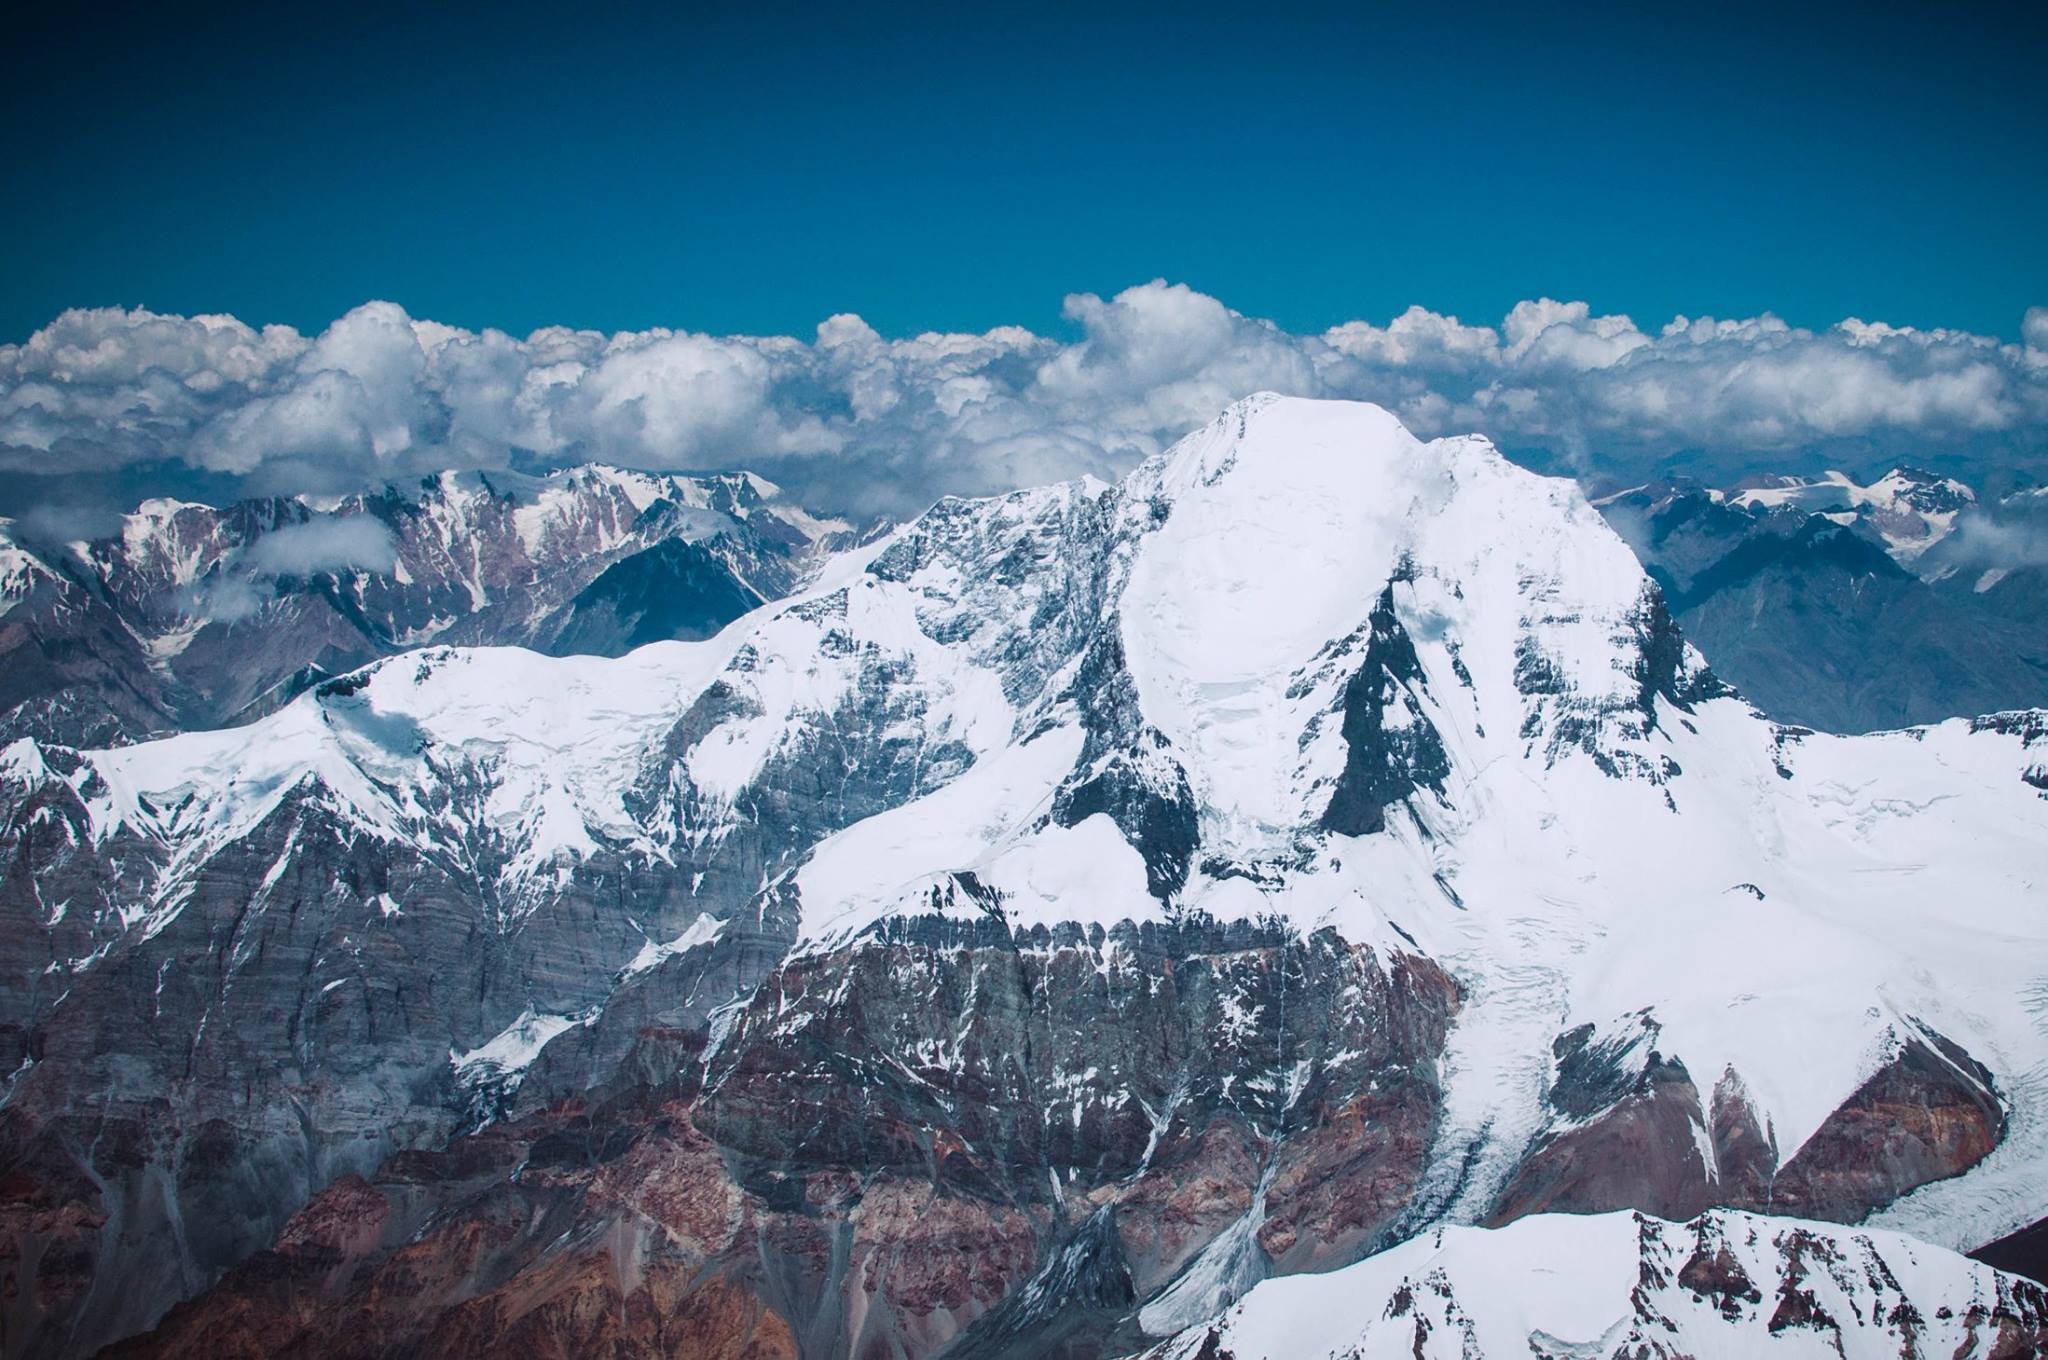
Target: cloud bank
849 419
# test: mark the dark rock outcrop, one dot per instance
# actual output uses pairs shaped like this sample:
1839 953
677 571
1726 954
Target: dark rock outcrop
1392 752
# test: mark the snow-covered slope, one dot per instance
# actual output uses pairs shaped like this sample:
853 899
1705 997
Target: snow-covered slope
1607 1286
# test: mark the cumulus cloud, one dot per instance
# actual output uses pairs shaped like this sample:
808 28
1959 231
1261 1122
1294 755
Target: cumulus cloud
2035 329
850 419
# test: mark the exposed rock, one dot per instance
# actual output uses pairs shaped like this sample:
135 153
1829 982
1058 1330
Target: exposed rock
838 1187
1636 1136
1928 1113
1387 758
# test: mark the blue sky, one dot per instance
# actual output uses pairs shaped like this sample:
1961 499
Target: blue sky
960 167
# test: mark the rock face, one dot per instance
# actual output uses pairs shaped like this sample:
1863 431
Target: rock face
1625 1285
195 617
1046 923
835 1179
1647 1139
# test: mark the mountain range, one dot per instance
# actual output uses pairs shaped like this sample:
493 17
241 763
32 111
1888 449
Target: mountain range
1830 604
1312 878
189 616
1854 608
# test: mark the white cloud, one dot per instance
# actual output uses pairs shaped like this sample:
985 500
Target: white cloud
850 418
223 599
2035 329
319 416
323 543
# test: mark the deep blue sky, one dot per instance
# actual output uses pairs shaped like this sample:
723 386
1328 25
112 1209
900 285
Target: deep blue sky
954 167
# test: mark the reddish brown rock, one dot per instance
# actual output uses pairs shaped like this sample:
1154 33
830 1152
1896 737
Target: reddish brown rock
1173 1211
925 1265
1336 1186
1641 1153
1928 1114
841 1182
676 1181
50 1220
345 1220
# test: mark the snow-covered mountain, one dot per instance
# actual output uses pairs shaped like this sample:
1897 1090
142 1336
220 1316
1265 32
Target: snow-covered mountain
1609 1286
192 616
1907 510
1047 922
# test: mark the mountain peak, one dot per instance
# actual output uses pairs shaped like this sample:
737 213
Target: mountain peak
1316 437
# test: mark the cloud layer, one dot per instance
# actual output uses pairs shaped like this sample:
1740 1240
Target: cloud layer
851 420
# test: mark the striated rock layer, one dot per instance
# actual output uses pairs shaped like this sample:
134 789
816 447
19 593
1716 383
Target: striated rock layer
838 1179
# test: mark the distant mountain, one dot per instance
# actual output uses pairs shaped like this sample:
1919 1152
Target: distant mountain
1044 924
1844 607
1907 510
195 617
